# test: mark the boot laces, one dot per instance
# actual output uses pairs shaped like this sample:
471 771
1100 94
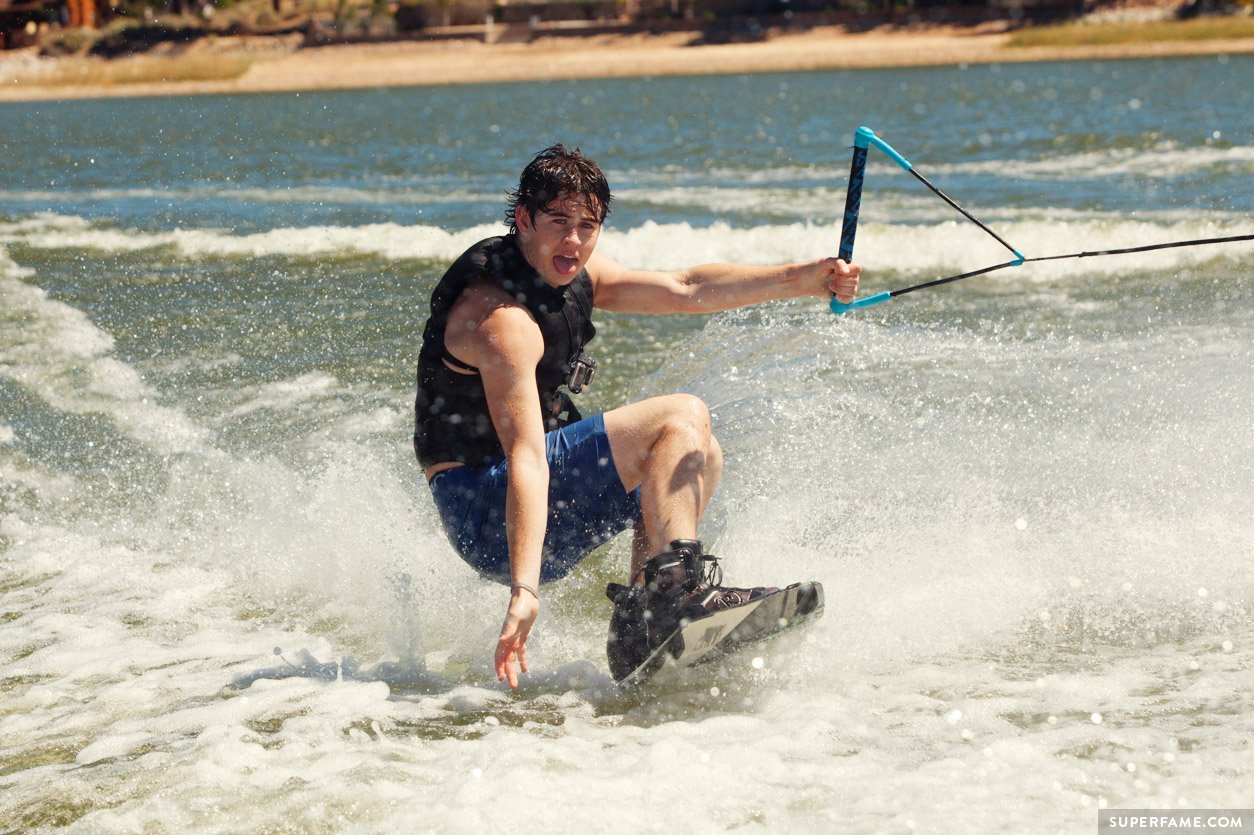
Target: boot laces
713 573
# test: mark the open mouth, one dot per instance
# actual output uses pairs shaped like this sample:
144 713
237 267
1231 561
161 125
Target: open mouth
565 264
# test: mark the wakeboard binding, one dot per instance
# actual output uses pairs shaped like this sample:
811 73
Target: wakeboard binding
679 586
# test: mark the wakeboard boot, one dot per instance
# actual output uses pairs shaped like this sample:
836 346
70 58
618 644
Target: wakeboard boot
680 585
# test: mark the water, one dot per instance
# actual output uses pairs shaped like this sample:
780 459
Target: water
1029 496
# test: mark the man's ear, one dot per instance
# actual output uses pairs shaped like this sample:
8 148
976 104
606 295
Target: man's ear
522 219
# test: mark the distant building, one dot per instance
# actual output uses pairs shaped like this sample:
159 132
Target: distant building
81 13
20 21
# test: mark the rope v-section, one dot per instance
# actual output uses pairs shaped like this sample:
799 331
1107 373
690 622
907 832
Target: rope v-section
863 139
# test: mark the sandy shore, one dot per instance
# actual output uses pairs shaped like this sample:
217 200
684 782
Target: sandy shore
461 62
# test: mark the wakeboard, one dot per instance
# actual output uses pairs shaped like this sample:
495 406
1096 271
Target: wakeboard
717 634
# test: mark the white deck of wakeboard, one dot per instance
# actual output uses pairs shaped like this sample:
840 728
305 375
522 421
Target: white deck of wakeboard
713 636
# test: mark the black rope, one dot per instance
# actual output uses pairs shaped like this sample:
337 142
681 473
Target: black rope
1020 259
1147 248
948 279
943 196
1125 251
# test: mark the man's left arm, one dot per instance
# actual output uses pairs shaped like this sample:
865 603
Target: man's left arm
709 288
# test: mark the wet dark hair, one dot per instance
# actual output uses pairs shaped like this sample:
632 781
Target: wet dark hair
556 171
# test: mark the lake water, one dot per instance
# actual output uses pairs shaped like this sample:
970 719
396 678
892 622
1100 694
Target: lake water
1030 496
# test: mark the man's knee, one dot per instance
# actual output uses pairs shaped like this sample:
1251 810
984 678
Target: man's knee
714 457
687 415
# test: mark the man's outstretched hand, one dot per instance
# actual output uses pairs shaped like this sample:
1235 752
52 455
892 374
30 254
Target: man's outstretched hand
511 647
842 279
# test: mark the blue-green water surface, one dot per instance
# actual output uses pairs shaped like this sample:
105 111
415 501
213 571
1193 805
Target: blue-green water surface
1029 495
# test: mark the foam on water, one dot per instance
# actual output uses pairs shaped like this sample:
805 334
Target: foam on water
1050 454
918 247
53 350
387 239
1158 160
389 196
1163 161
1035 541
1028 495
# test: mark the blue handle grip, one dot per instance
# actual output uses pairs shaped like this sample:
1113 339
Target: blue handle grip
853 201
864 137
838 307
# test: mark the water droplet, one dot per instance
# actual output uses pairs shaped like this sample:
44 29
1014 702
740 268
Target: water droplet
758 663
1096 719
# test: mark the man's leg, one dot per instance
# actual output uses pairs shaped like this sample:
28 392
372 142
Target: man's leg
664 446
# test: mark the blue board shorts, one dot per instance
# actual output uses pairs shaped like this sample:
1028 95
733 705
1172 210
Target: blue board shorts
588 505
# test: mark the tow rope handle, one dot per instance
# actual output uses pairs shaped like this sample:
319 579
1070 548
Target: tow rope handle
863 139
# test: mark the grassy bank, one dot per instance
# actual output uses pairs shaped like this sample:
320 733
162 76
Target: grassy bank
142 69
224 65
1159 31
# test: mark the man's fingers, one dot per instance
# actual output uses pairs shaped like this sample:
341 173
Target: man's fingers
844 289
511 646
505 652
844 282
512 674
502 660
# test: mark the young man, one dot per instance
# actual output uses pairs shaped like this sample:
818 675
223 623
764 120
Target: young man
524 487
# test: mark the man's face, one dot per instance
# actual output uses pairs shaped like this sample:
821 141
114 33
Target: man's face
561 238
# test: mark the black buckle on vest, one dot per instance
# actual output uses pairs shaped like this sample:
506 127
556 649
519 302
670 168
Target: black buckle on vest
582 369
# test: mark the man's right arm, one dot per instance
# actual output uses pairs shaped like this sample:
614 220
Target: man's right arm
501 339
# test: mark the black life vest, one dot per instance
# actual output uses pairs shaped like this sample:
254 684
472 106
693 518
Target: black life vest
451 419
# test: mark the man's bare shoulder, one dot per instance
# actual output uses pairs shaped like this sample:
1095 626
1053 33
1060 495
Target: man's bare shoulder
486 320
605 272
601 266
628 290
481 300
